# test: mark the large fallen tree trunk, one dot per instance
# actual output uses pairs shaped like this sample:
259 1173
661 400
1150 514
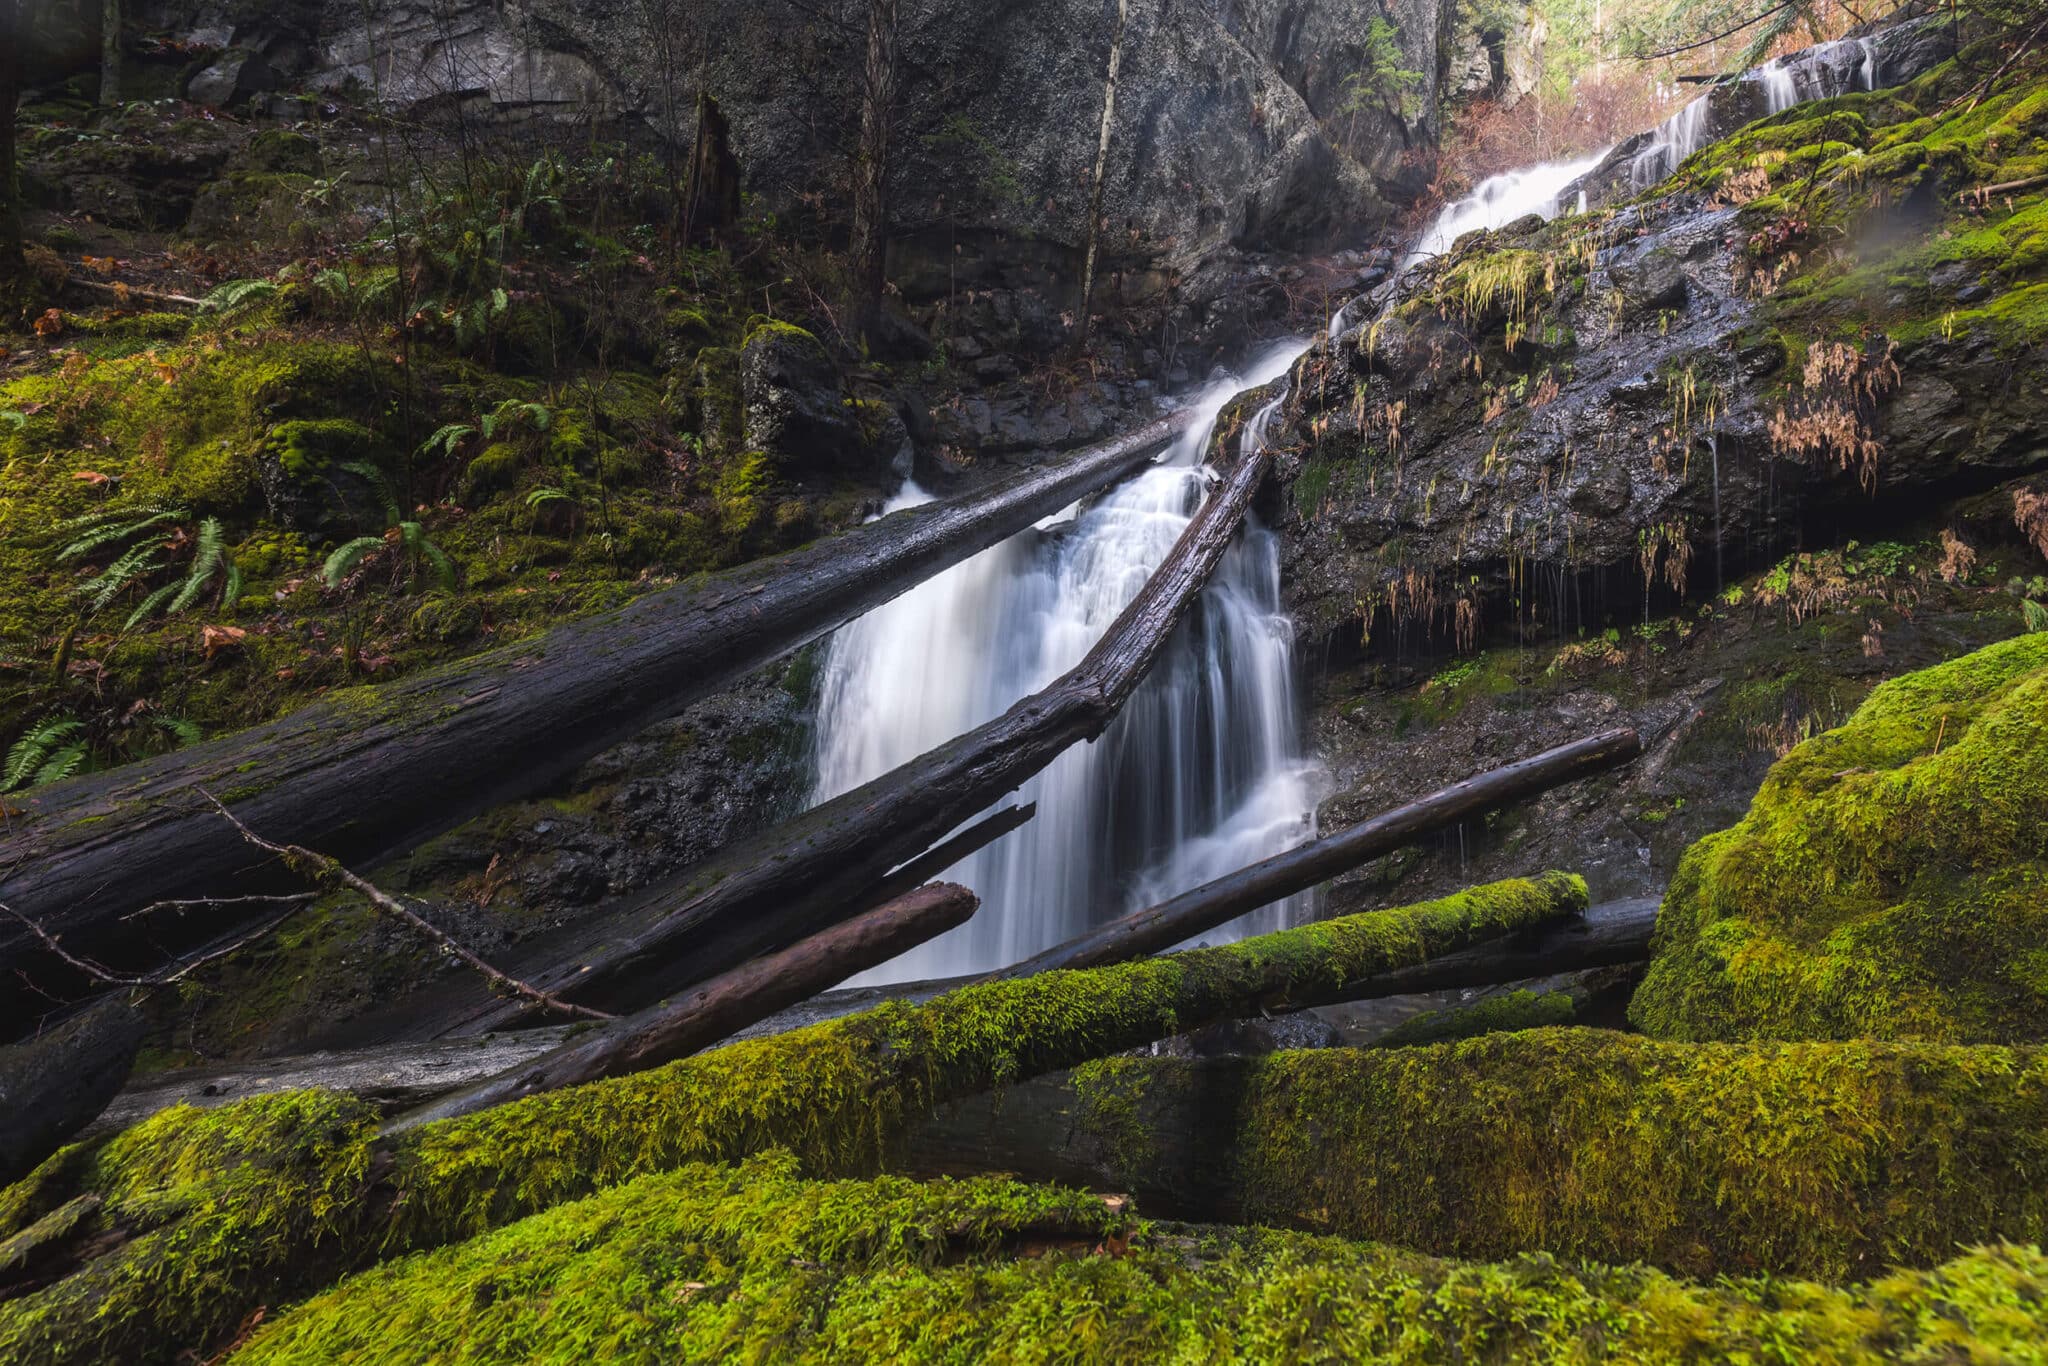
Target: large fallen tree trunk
1269 880
1830 1159
397 1077
375 770
790 881
53 1085
186 1223
720 1007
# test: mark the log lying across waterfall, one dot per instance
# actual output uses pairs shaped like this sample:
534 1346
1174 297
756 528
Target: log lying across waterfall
373 771
773 890
1274 879
722 1006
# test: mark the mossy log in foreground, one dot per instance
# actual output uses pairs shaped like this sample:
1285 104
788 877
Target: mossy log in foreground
191 1220
1890 880
1816 1159
754 1264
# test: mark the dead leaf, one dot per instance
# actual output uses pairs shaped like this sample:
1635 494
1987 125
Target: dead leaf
214 639
93 477
50 324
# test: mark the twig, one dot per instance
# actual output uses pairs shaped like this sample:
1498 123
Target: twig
99 972
299 858
213 903
126 291
2006 65
1982 194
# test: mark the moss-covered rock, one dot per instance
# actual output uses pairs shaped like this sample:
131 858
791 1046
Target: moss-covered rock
752 1263
1890 880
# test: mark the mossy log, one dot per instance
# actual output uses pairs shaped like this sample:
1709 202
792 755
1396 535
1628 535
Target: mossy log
51 1086
754 1263
721 1007
1818 1159
1274 879
203 1215
1889 881
788 882
375 770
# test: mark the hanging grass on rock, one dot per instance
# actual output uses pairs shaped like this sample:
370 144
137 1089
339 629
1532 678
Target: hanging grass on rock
207 1215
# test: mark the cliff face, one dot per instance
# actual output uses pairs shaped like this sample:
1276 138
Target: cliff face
1232 126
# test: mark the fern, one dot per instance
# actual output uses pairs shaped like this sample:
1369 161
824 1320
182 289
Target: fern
2034 615
346 557
138 563
149 605
387 498
446 439
45 754
207 561
235 295
184 731
550 494
113 525
419 547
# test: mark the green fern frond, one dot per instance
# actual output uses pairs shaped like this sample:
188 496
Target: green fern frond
27 756
2034 615
102 529
236 294
149 605
549 494
206 562
387 497
231 589
185 732
446 439
139 563
60 765
346 557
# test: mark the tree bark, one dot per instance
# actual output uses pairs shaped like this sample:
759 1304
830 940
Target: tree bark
871 165
1263 883
721 1007
795 879
13 42
110 52
374 771
53 1086
1116 55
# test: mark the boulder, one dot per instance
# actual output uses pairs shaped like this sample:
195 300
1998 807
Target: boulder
794 407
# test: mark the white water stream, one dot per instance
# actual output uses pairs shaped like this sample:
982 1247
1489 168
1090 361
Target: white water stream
1204 770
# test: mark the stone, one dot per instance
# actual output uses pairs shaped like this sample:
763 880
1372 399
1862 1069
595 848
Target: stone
794 407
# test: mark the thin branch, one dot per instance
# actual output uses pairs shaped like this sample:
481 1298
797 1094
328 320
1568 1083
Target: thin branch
214 903
1725 33
99 972
328 868
2006 66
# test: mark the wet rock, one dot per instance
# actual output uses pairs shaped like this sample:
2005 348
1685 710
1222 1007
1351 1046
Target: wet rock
795 409
234 78
1649 281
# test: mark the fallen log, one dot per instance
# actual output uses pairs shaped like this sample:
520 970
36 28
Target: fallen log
52 1086
209 1214
788 882
1261 884
372 771
1826 1159
720 1007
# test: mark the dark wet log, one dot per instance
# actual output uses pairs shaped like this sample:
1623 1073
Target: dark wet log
1217 903
373 771
722 1006
1607 935
791 881
51 1086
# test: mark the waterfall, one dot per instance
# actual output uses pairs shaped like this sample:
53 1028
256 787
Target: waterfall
1817 72
1672 141
1203 771
1499 200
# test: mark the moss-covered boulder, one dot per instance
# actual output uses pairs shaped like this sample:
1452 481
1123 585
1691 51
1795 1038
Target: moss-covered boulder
795 410
1890 880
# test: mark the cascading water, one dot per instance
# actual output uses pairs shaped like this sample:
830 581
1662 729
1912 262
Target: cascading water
1501 199
1202 772
1675 139
1817 72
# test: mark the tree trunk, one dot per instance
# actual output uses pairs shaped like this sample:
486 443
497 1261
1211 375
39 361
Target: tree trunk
714 184
54 1085
795 879
374 771
721 1007
13 41
1274 879
110 52
270 1203
871 165
1116 56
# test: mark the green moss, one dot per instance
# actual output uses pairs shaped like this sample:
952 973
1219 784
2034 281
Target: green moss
288 1192
753 1264
1495 1014
1890 880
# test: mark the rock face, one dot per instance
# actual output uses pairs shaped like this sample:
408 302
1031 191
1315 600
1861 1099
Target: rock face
1231 123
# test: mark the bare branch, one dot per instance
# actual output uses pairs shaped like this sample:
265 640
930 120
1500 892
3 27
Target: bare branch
104 975
209 903
1751 22
324 868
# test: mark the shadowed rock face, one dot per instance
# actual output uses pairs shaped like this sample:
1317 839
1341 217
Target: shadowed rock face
1218 135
